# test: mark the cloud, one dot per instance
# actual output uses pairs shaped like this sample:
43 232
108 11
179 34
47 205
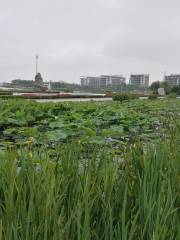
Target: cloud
75 38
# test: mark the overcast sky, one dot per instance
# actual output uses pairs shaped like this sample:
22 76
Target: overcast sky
89 37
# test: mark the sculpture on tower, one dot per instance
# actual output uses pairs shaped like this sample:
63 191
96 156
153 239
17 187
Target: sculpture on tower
39 85
38 79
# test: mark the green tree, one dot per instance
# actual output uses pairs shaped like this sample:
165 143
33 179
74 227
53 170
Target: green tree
154 86
166 86
176 89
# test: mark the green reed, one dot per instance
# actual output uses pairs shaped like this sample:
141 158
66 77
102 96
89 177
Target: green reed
91 198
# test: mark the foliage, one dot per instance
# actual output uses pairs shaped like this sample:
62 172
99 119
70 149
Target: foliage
57 96
152 96
176 90
110 125
91 197
166 86
172 95
9 96
125 96
115 123
2 93
90 170
63 86
154 86
121 88
22 83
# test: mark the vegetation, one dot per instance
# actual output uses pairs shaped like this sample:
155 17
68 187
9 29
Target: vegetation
154 86
22 83
91 198
90 170
176 90
63 86
125 96
9 96
71 87
172 95
167 87
153 96
106 124
121 88
2 93
57 96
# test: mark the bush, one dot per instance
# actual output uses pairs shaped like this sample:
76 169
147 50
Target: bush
125 96
5 93
154 86
176 90
172 95
152 96
62 96
4 97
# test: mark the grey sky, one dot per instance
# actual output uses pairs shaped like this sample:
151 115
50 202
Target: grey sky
89 37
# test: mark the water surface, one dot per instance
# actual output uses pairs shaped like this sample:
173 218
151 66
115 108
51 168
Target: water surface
73 100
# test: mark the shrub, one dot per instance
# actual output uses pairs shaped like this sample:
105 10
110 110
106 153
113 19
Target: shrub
5 93
176 90
125 96
172 95
152 96
4 97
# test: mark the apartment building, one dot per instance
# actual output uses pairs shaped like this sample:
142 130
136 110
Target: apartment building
141 80
102 81
173 79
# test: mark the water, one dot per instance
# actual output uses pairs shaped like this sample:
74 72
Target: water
73 100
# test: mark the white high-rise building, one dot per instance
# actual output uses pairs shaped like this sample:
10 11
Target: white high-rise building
102 81
173 79
141 80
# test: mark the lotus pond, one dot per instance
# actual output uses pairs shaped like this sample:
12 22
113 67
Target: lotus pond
105 124
94 170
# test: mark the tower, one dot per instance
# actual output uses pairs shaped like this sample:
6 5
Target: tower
38 77
37 58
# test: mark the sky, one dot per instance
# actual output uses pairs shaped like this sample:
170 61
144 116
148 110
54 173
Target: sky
74 38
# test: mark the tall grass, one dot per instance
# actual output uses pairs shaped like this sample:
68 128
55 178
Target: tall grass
94 198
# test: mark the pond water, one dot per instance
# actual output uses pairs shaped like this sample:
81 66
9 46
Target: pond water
73 100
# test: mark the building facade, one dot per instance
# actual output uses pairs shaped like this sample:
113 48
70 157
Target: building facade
102 81
173 79
141 80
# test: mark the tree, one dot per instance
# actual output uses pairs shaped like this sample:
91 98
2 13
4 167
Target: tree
176 89
154 86
166 86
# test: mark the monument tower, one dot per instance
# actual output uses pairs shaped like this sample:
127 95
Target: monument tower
37 58
38 78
